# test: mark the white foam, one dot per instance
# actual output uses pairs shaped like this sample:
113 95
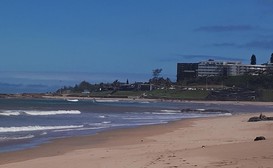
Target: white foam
9 113
43 133
36 128
16 138
139 118
165 113
200 109
58 112
37 112
72 100
106 122
145 102
226 114
80 129
105 101
171 111
101 116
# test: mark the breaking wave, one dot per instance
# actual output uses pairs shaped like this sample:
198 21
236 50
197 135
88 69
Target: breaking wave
36 128
9 113
171 111
16 138
105 101
37 113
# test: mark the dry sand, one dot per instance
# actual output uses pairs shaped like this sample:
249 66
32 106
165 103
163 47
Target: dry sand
211 142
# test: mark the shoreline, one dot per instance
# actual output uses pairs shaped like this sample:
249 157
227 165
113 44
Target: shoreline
101 139
160 100
209 141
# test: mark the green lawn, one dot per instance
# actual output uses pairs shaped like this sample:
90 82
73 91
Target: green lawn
266 95
157 94
179 94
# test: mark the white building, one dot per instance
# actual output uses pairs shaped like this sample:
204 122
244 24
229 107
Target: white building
252 69
230 68
218 68
210 68
269 68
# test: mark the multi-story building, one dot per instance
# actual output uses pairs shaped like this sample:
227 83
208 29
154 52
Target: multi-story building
219 68
186 71
232 68
269 68
210 68
252 69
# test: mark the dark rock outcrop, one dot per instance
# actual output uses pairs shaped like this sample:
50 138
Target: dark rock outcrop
259 138
254 119
260 118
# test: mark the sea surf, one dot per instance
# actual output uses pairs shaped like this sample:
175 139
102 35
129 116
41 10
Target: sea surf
27 123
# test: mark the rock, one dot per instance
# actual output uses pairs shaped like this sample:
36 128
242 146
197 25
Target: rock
259 138
254 119
260 118
269 118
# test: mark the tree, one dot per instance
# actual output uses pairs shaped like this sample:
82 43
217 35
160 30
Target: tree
84 86
253 60
271 59
116 84
156 73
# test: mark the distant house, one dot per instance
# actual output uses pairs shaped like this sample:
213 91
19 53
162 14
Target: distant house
86 92
146 87
127 87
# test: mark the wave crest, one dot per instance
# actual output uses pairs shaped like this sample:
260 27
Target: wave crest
38 113
36 128
16 138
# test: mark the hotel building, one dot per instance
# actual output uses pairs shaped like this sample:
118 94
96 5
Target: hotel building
219 68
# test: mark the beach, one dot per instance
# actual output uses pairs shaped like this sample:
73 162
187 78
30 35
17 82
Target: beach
204 142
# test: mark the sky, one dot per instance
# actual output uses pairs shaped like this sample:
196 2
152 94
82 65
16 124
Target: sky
45 44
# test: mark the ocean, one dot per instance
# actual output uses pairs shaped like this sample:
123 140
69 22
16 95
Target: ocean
27 123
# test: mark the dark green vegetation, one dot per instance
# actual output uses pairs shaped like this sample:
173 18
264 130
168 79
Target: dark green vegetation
237 88
262 85
265 95
252 82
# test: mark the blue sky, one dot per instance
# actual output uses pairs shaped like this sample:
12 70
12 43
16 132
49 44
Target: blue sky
48 43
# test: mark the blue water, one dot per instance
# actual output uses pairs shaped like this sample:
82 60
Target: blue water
26 123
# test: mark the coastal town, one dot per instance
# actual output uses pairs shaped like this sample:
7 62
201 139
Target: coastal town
205 80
